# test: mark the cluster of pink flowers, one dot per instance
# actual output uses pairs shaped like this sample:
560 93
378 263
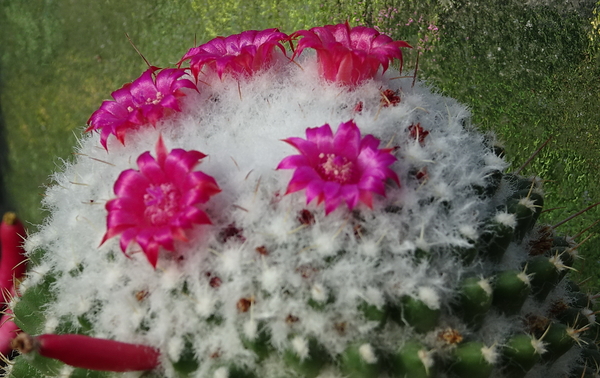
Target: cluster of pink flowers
155 205
346 55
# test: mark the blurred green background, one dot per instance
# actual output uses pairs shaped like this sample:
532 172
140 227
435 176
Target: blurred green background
528 70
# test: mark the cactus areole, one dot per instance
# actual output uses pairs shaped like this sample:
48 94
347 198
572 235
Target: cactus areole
294 206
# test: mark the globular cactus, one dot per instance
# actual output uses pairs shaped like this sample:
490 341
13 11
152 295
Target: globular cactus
267 211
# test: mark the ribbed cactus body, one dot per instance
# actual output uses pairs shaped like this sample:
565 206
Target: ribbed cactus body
448 275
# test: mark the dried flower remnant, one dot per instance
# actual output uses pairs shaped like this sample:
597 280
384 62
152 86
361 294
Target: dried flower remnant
450 336
244 304
291 319
358 107
305 217
350 55
417 132
239 54
146 100
156 204
215 282
339 167
389 98
231 232
141 295
421 174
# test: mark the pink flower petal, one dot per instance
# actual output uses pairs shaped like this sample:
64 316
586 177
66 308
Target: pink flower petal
170 102
143 89
322 137
167 81
372 184
180 163
123 96
202 186
314 189
302 177
366 197
194 215
293 161
126 238
130 181
151 169
164 237
331 190
307 148
351 195
370 142
347 140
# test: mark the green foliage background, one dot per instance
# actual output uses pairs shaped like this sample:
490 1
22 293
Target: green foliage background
529 71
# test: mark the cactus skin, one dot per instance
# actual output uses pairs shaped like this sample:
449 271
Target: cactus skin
449 275
470 360
412 360
511 290
520 354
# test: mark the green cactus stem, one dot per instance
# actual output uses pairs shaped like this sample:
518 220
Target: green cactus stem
473 359
418 314
511 290
558 338
413 360
499 235
360 360
475 300
305 356
545 272
520 353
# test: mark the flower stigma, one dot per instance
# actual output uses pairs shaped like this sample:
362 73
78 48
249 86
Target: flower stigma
162 203
336 168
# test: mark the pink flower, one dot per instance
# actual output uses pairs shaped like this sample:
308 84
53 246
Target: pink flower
350 55
339 167
157 203
240 54
147 99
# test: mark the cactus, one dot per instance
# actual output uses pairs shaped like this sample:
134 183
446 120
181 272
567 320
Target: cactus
262 211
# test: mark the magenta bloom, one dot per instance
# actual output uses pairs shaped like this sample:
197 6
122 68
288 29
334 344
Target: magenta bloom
350 55
339 167
239 54
157 203
147 99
